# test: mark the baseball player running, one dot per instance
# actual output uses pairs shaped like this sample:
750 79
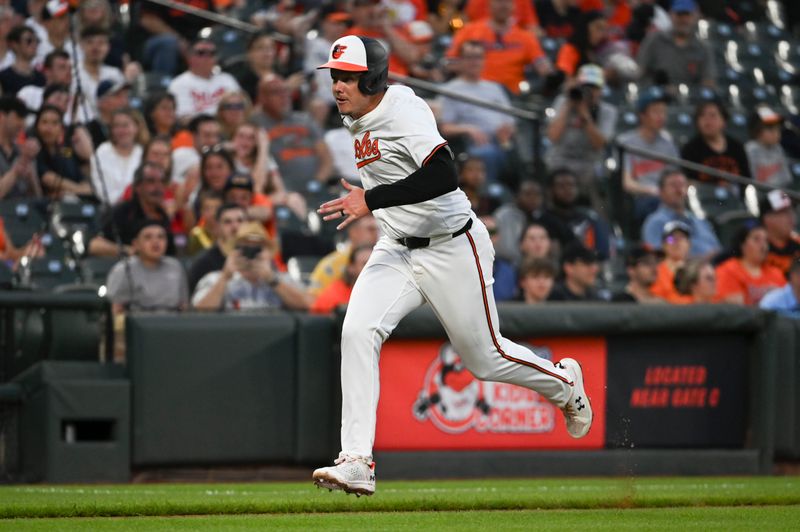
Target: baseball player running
433 249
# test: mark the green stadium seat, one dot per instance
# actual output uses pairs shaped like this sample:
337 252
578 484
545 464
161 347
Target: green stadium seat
22 218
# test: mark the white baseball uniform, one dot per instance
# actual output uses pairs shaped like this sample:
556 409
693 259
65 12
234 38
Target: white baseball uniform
452 274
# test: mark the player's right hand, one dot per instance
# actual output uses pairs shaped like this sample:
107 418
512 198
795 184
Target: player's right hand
351 207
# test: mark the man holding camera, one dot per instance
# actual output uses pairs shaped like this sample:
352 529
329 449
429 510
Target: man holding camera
580 130
249 279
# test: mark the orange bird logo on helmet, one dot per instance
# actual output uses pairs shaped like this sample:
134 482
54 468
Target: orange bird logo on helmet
338 50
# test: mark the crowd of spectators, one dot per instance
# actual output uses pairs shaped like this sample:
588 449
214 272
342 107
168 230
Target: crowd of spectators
206 150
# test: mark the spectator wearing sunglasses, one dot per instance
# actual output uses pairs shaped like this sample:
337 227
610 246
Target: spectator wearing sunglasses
199 89
23 42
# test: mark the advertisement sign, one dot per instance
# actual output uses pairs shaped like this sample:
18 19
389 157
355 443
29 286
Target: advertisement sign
430 401
677 391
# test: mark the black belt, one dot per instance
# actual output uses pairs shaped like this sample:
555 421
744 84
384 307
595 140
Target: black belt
416 242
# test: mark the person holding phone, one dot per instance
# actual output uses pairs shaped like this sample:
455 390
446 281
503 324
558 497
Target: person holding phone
249 278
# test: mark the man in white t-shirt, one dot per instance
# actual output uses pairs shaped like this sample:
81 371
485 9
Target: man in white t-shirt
57 69
91 71
200 88
433 249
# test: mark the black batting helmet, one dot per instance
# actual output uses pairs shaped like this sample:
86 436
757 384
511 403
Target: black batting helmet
354 53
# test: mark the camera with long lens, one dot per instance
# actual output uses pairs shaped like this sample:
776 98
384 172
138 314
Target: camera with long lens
578 94
249 252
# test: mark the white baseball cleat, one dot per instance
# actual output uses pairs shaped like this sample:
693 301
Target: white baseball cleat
351 475
578 410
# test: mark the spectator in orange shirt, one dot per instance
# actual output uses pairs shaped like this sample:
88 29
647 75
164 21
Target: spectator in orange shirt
524 14
370 19
338 292
697 280
509 49
675 244
746 277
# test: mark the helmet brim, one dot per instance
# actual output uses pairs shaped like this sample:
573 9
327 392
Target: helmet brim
341 65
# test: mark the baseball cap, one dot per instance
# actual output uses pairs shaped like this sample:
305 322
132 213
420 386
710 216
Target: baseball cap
675 225
347 53
333 13
774 201
638 253
251 233
649 96
55 9
591 75
109 87
577 252
683 6
420 31
766 115
243 181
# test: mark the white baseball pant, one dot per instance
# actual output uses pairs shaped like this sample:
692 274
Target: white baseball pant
454 276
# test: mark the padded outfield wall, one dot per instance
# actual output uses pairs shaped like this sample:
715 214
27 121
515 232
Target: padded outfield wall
675 389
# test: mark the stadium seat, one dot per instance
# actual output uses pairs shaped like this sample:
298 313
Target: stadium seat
70 216
716 200
22 219
301 266
231 44
95 269
46 273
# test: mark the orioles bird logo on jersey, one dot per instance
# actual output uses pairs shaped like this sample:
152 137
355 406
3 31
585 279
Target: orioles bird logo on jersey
367 150
338 50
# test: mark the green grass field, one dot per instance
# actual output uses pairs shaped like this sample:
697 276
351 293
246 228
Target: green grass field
720 503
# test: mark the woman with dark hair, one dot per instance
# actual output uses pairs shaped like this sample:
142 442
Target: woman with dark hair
159 113
216 166
712 146
250 145
585 43
234 110
534 243
745 277
57 163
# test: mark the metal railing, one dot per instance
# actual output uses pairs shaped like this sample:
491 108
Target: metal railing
695 167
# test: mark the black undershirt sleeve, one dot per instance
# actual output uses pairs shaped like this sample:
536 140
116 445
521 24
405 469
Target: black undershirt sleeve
435 178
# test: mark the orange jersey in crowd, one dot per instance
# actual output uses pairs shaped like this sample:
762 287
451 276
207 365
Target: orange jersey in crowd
568 58
507 55
335 294
524 12
664 287
733 279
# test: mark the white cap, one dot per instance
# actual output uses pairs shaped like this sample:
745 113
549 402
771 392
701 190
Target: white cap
347 53
591 75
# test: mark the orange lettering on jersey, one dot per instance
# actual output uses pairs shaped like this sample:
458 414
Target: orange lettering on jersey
367 151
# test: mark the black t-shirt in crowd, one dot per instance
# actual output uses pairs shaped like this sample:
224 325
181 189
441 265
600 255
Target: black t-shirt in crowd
733 159
560 292
553 23
211 260
12 81
123 218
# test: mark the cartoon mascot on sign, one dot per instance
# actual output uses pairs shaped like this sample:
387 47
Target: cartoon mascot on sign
450 392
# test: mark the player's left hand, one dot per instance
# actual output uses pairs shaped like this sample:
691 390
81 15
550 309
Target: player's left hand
350 207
